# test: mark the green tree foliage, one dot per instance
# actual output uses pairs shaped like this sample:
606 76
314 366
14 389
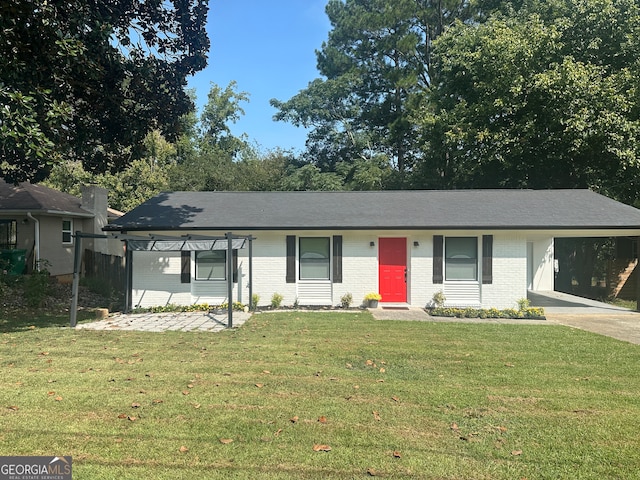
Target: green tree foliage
376 60
88 79
208 156
545 97
222 108
139 181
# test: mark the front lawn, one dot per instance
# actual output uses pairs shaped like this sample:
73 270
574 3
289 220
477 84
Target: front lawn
323 395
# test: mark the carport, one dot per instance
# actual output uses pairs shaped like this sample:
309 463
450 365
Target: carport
167 243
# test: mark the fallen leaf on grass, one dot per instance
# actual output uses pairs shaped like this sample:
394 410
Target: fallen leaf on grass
454 427
135 405
395 399
15 408
58 399
266 372
259 385
278 432
515 453
157 401
396 454
371 472
382 370
322 419
226 441
51 393
294 419
183 449
321 448
185 392
509 365
376 415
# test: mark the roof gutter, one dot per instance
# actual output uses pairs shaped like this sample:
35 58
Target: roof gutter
37 235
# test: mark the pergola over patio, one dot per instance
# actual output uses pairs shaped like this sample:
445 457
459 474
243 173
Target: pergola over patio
167 243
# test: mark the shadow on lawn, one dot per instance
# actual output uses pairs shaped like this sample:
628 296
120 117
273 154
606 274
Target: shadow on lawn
22 319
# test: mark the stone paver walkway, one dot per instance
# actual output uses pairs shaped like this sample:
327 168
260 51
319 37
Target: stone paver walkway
161 322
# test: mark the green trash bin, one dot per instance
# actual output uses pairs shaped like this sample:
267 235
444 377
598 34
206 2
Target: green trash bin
13 261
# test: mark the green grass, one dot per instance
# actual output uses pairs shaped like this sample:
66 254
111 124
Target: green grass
455 401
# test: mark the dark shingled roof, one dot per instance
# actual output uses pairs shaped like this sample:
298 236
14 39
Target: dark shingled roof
38 198
412 209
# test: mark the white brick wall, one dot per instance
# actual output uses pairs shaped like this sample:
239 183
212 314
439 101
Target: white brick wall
156 279
509 271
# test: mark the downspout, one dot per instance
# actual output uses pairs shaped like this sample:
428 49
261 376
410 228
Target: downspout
37 235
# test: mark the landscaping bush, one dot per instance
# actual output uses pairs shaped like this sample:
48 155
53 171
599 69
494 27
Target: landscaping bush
525 313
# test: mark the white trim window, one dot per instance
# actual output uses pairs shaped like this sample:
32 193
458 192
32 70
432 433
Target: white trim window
211 265
67 231
461 259
315 258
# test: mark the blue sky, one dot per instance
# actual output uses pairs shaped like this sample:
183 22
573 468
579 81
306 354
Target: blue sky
268 48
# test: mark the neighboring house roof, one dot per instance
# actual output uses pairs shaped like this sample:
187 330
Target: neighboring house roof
412 209
26 197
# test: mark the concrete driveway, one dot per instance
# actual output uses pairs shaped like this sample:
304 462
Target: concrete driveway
590 315
559 308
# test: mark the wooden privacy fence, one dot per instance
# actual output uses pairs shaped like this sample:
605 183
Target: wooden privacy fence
109 268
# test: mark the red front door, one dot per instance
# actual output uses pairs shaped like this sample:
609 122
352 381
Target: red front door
392 269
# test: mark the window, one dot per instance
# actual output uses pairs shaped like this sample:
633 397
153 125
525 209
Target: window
67 231
8 237
315 262
461 258
211 265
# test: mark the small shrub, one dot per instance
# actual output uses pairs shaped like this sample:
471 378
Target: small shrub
36 288
528 312
236 306
534 312
276 300
345 300
438 299
255 300
523 304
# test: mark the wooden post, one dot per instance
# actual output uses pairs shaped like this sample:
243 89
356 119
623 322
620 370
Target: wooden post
73 314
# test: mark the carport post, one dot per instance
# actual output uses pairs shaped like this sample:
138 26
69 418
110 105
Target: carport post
230 279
